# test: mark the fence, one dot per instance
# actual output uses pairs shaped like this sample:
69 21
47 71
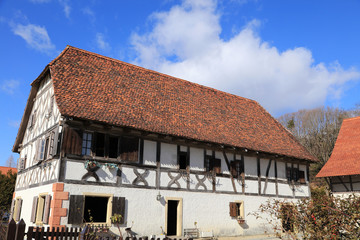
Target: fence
17 232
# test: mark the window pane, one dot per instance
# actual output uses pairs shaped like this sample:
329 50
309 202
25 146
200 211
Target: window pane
129 149
95 209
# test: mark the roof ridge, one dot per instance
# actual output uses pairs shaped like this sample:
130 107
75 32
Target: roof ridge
352 118
153 71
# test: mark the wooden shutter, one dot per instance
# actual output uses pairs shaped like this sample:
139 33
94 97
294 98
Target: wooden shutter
118 207
12 209
72 141
76 209
45 219
34 208
18 209
233 210
56 141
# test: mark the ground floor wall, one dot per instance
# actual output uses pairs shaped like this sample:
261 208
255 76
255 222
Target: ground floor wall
146 211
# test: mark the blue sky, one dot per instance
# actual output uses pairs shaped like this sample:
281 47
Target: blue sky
287 55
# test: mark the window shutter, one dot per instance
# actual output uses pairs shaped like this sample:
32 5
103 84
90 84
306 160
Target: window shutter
233 209
56 141
72 141
21 164
76 209
34 208
45 219
12 209
18 209
118 207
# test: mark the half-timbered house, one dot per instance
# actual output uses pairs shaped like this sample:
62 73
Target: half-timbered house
101 137
342 170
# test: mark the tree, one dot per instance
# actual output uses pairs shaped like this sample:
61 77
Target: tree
10 162
317 130
7 185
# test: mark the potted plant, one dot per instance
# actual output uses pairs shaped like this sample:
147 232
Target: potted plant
116 220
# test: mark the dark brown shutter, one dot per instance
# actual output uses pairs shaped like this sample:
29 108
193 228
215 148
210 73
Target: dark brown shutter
118 207
56 141
34 208
12 209
76 209
45 219
72 141
18 209
233 209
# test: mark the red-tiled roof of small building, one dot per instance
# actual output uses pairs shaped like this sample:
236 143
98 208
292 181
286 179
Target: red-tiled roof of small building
345 158
4 170
93 87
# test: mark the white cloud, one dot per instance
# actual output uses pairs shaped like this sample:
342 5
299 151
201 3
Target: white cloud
9 86
66 7
101 43
185 42
35 36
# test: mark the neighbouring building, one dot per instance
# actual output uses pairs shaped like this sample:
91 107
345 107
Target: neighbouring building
100 137
342 170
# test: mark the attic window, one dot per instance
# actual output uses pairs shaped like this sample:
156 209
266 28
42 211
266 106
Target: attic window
100 145
212 164
236 168
32 120
86 143
129 149
113 147
294 174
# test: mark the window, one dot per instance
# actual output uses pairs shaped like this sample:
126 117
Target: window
86 143
99 144
212 164
41 209
95 208
32 120
129 149
183 158
237 209
294 174
236 168
16 209
113 147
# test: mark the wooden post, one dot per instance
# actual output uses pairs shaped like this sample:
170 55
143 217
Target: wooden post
10 234
20 230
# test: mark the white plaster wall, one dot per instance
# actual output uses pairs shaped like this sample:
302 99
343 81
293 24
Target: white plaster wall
250 166
209 210
43 122
197 159
285 189
168 155
251 186
224 184
27 196
302 191
149 153
75 171
268 188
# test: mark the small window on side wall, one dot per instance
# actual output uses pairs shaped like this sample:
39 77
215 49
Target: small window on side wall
237 209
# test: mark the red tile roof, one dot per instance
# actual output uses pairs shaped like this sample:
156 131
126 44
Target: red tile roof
4 170
93 87
345 158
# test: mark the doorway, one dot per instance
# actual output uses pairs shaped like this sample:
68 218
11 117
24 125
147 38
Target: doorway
174 217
